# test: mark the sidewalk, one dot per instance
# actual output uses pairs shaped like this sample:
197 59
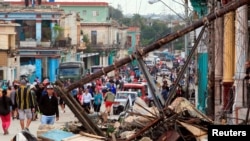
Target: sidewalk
15 125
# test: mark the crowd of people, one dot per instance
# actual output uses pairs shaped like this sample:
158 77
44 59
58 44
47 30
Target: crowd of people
23 102
26 101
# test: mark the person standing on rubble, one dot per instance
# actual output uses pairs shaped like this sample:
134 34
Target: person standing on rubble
48 105
109 99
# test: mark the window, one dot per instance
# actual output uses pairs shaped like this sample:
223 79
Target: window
95 13
84 12
117 38
93 37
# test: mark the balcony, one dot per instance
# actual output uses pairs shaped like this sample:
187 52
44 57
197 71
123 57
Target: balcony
45 44
28 43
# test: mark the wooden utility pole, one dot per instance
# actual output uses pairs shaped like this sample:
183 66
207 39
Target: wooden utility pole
218 38
211 61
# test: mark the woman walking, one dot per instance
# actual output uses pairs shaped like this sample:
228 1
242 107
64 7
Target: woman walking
5 113
87 97
97 100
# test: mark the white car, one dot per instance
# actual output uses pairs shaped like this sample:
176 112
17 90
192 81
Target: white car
165 72
123 101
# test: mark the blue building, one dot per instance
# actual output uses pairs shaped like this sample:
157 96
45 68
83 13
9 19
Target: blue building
37 42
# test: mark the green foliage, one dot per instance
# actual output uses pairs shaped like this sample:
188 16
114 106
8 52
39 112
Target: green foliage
151 33
110 129
151 30
59 31
85 39
115 13
125 21
58 28
87 42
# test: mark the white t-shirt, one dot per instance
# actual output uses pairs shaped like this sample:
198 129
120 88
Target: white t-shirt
87 98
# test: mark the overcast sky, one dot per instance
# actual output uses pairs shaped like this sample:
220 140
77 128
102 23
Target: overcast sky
143 7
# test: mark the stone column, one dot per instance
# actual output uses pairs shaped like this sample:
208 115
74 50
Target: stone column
38 29
53 65
38 63
228 59
241 44
218 37
53 34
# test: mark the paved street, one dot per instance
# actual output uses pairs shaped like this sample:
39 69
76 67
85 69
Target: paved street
15 126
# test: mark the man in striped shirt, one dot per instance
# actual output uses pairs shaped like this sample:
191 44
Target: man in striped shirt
25 102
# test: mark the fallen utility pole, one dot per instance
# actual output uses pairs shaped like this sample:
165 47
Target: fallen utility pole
180 75
80 113
157 97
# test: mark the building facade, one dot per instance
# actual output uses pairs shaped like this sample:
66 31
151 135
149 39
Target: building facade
36 39
9 61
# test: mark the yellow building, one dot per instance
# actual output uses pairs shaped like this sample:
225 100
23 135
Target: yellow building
9 55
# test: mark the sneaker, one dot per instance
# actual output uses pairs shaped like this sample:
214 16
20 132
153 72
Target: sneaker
26 129
6 132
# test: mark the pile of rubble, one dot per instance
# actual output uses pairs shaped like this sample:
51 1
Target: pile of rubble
179 122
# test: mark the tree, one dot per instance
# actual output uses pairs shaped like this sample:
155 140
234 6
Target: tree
115 13
59 32
85 39
151 29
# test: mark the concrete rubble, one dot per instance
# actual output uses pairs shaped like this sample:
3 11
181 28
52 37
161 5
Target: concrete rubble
180 121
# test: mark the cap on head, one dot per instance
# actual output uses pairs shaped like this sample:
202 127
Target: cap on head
49 86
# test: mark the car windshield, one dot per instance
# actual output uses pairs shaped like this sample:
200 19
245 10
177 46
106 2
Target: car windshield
125 95
69 71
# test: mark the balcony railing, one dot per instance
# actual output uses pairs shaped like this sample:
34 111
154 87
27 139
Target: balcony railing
28 43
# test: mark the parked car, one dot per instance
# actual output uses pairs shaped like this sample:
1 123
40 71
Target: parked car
123 101
164 72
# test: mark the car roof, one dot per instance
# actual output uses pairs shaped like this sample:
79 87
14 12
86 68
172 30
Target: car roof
134 84
132 92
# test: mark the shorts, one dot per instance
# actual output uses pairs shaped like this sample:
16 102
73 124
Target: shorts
24 112
108 103
48 119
